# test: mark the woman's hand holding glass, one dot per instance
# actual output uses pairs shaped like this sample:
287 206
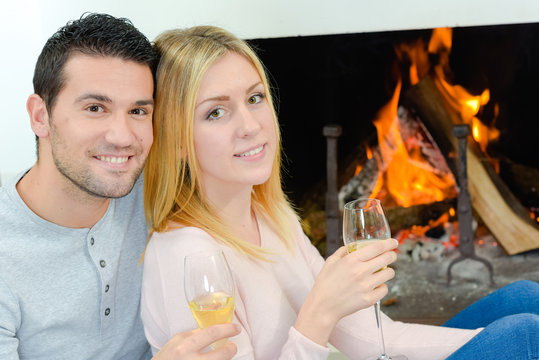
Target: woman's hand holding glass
192 344
364 226
346 283
209 290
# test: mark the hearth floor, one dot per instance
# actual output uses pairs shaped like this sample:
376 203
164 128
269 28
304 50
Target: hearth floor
419 292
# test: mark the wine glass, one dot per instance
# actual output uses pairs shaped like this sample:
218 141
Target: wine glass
364 222
209 289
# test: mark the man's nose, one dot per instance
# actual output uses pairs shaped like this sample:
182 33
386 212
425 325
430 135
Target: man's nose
119 131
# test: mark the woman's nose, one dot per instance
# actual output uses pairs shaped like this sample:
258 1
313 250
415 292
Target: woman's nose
248 124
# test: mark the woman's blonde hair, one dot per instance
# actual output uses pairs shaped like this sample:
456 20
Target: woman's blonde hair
172 186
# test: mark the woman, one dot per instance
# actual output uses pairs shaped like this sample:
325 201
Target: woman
212 181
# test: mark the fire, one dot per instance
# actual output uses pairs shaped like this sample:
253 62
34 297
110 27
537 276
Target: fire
410 169
459 98
369 153
483 134
441 40
408 177
466 104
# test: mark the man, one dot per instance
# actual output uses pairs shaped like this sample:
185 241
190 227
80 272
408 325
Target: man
72 230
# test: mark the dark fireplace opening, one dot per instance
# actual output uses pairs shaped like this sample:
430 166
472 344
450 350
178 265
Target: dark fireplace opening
345 79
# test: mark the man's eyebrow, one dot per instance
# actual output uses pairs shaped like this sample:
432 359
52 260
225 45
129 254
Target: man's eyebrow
144 102
106 99
97 97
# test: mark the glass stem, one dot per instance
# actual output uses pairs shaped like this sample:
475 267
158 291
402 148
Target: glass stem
381 342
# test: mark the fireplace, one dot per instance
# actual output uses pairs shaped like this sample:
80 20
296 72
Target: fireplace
350 79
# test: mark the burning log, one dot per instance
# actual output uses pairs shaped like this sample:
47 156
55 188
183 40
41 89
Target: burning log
362 184
498 208
405 217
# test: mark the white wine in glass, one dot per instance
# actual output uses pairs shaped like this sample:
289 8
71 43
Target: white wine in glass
364 223
209 289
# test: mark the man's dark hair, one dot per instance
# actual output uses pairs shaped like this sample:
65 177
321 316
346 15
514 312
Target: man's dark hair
92 34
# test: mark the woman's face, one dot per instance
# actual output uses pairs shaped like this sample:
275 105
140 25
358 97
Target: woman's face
234 131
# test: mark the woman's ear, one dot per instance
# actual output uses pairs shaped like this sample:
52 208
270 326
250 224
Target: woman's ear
39 117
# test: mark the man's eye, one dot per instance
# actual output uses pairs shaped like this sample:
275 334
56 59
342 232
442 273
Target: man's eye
138 111
94 108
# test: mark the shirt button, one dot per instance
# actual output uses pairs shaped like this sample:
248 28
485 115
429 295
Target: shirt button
107 288
102 263
107 312
92 241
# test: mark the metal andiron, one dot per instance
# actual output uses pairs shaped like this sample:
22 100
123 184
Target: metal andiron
464 205
333 241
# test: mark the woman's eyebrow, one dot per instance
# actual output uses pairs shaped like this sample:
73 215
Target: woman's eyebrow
218 98
253 86
226 97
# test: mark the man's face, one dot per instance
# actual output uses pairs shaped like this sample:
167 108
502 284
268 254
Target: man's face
101 124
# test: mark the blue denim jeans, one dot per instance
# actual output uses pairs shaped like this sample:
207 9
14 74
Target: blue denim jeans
510 316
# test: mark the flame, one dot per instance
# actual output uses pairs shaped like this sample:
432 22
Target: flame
475 131
483 134
407 176
369 153
440 221
441 40
413 54
408 179
466 104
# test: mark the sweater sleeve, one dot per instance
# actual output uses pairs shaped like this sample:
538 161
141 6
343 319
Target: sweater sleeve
356 335
10 319
299 347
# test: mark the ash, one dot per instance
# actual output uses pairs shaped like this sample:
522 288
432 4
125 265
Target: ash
419 292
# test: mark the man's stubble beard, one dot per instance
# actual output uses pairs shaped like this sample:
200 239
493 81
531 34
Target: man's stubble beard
83 178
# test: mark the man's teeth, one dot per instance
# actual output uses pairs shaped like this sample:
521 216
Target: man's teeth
252 152
113 159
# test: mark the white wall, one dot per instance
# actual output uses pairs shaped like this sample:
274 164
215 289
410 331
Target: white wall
26 24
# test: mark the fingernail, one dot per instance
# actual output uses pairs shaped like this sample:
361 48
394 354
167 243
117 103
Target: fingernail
396 242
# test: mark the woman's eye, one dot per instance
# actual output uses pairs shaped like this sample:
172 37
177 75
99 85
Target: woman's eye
215 114
255 99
